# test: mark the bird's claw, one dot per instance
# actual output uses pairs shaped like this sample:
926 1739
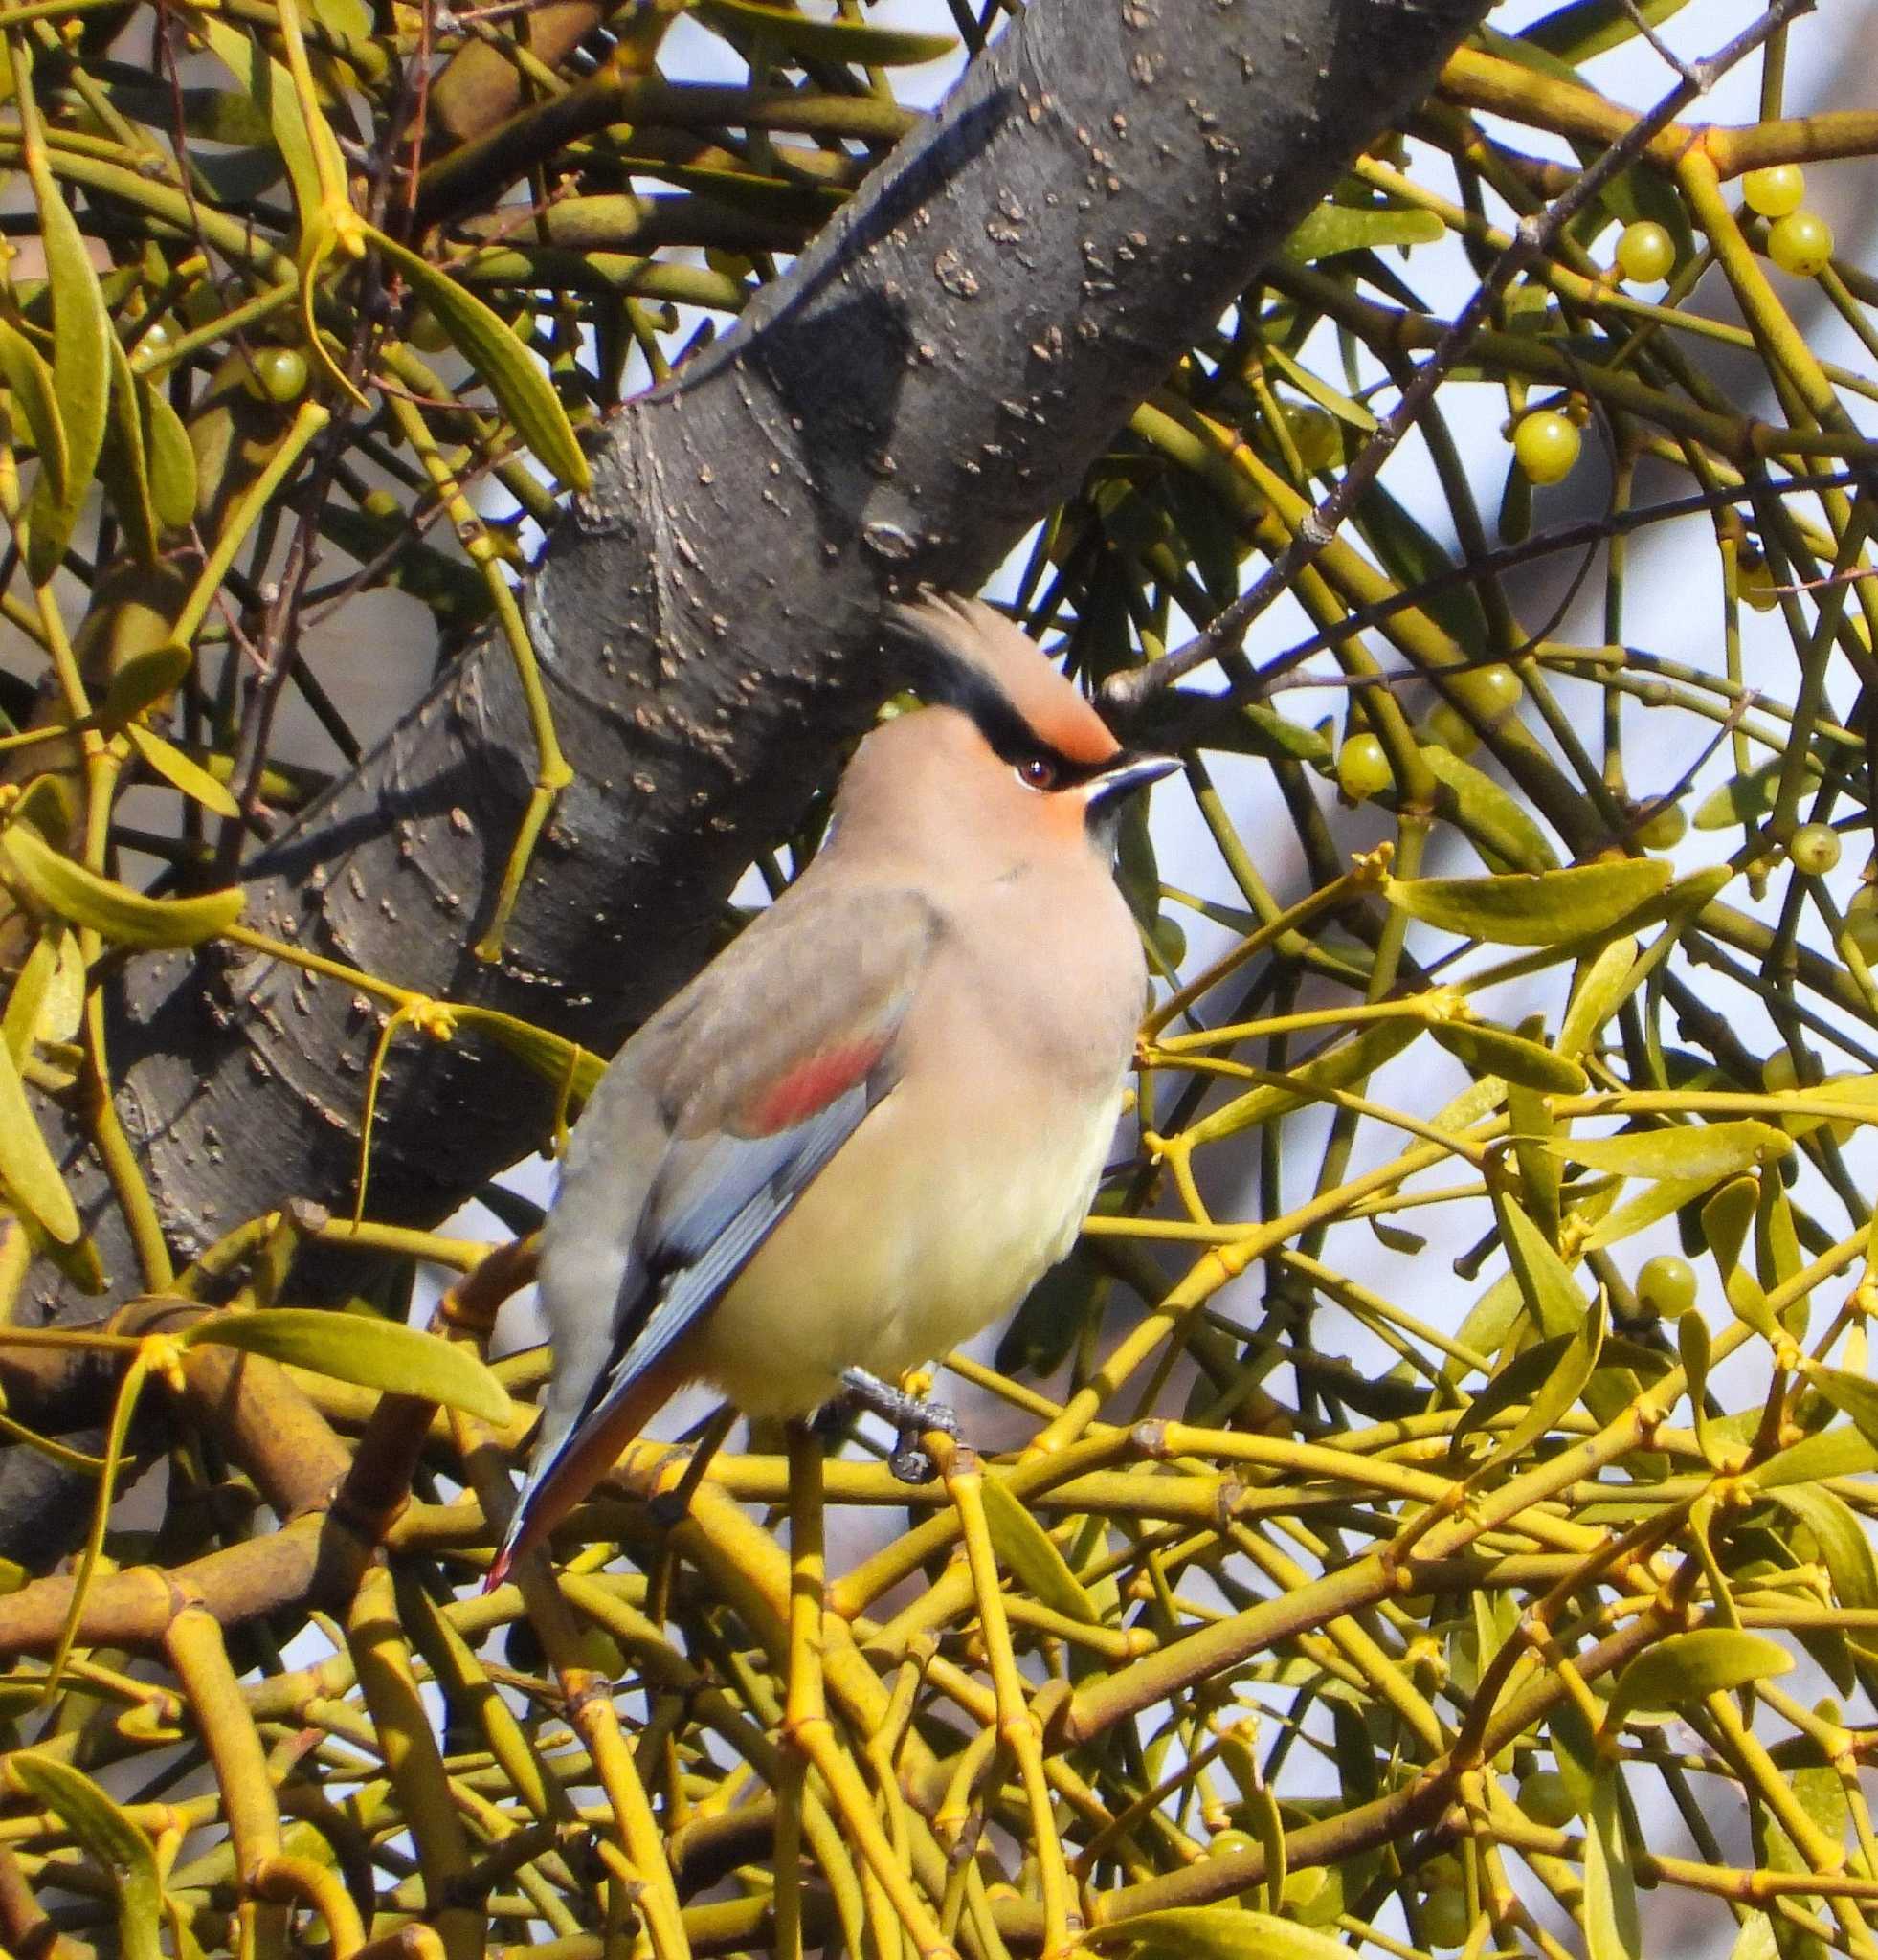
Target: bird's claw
911 1462
924 1416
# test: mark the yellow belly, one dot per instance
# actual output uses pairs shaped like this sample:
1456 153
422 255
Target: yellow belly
892 1257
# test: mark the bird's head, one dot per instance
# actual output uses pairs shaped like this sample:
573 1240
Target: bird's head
1004 752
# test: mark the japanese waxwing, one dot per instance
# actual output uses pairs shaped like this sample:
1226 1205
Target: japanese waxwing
863 1131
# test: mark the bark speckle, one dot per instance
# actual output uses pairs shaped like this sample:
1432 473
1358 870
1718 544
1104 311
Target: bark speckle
889 542
955 274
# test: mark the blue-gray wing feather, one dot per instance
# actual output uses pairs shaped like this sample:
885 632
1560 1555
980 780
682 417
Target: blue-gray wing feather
735 1193
665 1199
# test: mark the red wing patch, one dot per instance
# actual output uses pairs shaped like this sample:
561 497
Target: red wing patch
810 1086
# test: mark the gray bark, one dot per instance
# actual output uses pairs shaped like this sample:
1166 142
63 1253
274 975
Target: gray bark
936 371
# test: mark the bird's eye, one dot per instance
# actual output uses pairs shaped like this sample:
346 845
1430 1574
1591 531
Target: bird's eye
1038 773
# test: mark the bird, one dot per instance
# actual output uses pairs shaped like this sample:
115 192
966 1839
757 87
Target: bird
866 1127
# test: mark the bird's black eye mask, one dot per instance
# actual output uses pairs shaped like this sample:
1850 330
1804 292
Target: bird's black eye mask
939 682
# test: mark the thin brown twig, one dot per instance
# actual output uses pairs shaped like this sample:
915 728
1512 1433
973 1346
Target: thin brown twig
1127 691
1265 680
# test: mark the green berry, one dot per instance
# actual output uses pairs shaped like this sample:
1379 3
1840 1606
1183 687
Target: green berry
1778 1075
1446 1921
1815 849
1442 1873
1494 689
1645 252
1665 1287
1447 727
1546 1798
1800 243
1780 1072
1756 583
1229 1843
153 342
1666 830
1861 924
277 374
427 333
1775 190
1314 435
1546 446
1362 769
1841 1128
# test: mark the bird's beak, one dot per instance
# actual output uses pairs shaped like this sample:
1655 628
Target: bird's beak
1132 770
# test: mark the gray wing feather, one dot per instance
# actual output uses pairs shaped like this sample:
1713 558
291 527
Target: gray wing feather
662 1204
725 1187
744 1188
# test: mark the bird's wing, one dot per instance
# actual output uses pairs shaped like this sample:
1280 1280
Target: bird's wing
752 1079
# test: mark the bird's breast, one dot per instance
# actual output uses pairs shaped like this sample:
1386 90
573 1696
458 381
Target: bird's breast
932 1220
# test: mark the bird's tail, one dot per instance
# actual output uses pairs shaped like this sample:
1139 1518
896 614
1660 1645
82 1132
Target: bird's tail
568 1468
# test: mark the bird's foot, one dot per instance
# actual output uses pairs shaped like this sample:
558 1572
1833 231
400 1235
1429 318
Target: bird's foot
911 1462
669 1509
